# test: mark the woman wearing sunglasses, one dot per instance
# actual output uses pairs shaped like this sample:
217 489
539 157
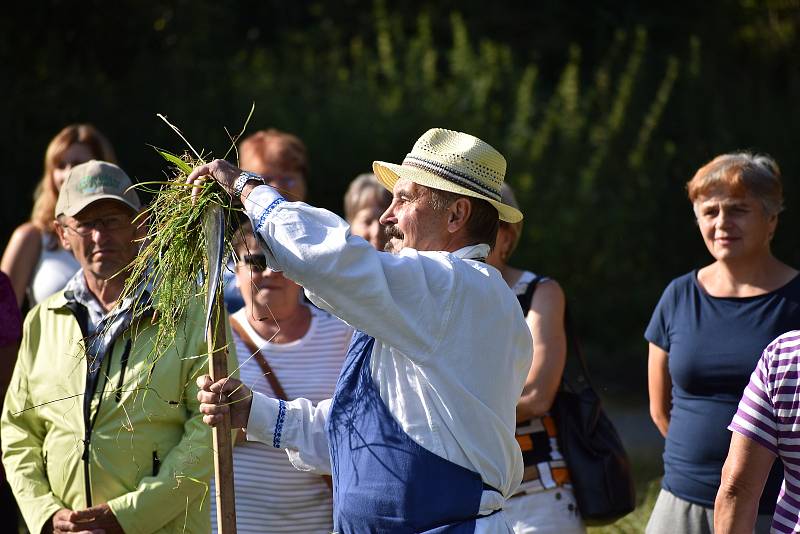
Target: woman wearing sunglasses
287 348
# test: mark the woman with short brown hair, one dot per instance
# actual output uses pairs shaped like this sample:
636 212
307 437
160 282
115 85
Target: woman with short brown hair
707 333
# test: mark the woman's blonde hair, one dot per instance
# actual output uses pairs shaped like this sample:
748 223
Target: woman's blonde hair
46 194
740 173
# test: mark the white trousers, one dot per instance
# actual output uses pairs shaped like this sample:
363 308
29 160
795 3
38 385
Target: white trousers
552 511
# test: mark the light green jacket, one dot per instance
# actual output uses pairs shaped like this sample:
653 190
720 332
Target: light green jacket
150 453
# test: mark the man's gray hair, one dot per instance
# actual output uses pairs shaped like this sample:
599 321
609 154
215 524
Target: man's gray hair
484 220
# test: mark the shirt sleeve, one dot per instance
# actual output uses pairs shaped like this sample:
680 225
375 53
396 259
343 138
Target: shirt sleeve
297 426
657 331
755 417
404 299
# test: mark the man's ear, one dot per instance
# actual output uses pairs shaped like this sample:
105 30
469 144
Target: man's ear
458 214
62 238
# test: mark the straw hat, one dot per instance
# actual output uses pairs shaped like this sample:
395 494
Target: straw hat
455 162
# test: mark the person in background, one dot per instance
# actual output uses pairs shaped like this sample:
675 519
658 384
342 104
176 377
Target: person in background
544 502
10 334
281 159
364 203
707 332
33 259
96 435
287 349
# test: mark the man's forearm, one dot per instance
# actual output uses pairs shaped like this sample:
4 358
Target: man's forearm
402 298
298 425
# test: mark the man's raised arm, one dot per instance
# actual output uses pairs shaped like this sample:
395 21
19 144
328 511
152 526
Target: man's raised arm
403 299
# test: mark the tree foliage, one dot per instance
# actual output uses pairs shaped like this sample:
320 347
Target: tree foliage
603 109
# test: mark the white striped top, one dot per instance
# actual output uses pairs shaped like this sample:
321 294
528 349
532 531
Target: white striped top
769 414
271 495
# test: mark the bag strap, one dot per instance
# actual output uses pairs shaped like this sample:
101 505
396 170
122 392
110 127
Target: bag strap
271 377
581 374
526 298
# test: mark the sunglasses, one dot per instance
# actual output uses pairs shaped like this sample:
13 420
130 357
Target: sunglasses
257 262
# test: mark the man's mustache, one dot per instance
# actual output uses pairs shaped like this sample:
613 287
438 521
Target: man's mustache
393 231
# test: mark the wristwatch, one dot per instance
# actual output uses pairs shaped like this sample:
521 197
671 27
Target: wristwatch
241 181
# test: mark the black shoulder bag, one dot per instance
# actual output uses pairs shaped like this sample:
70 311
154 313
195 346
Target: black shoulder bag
598 465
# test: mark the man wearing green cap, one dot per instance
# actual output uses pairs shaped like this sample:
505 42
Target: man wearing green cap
98 434
419 436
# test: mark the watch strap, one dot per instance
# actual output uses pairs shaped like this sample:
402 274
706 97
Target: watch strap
241 181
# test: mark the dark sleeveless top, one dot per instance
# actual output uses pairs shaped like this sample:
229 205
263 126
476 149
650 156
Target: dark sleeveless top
544 465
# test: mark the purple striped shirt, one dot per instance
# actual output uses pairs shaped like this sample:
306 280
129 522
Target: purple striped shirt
769 414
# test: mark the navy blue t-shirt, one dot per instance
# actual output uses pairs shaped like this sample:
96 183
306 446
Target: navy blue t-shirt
714 344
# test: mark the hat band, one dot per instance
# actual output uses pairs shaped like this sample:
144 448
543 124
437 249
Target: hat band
452 175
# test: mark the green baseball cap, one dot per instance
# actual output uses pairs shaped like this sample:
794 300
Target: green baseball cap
93 181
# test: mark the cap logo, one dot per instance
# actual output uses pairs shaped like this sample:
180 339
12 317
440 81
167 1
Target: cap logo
96 184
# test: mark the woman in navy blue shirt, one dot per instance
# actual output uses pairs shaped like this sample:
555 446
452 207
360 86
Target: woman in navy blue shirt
707 333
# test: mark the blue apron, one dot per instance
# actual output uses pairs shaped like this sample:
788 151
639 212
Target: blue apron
383 481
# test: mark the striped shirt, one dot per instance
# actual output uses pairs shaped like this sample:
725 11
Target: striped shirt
271 495
769 414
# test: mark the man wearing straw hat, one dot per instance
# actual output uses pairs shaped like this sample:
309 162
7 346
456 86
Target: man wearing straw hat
419 435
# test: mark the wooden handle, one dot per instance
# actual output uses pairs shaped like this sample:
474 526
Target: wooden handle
223 444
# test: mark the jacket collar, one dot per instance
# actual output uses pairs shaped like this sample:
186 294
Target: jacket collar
78 283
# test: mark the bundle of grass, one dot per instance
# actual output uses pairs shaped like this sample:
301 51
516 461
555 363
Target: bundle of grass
173 263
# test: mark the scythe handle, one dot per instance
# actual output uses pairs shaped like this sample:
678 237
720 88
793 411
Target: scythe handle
222 439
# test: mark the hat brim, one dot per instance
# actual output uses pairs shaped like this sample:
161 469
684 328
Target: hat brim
389 173
83 204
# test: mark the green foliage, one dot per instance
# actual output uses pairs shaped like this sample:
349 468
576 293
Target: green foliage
603 110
